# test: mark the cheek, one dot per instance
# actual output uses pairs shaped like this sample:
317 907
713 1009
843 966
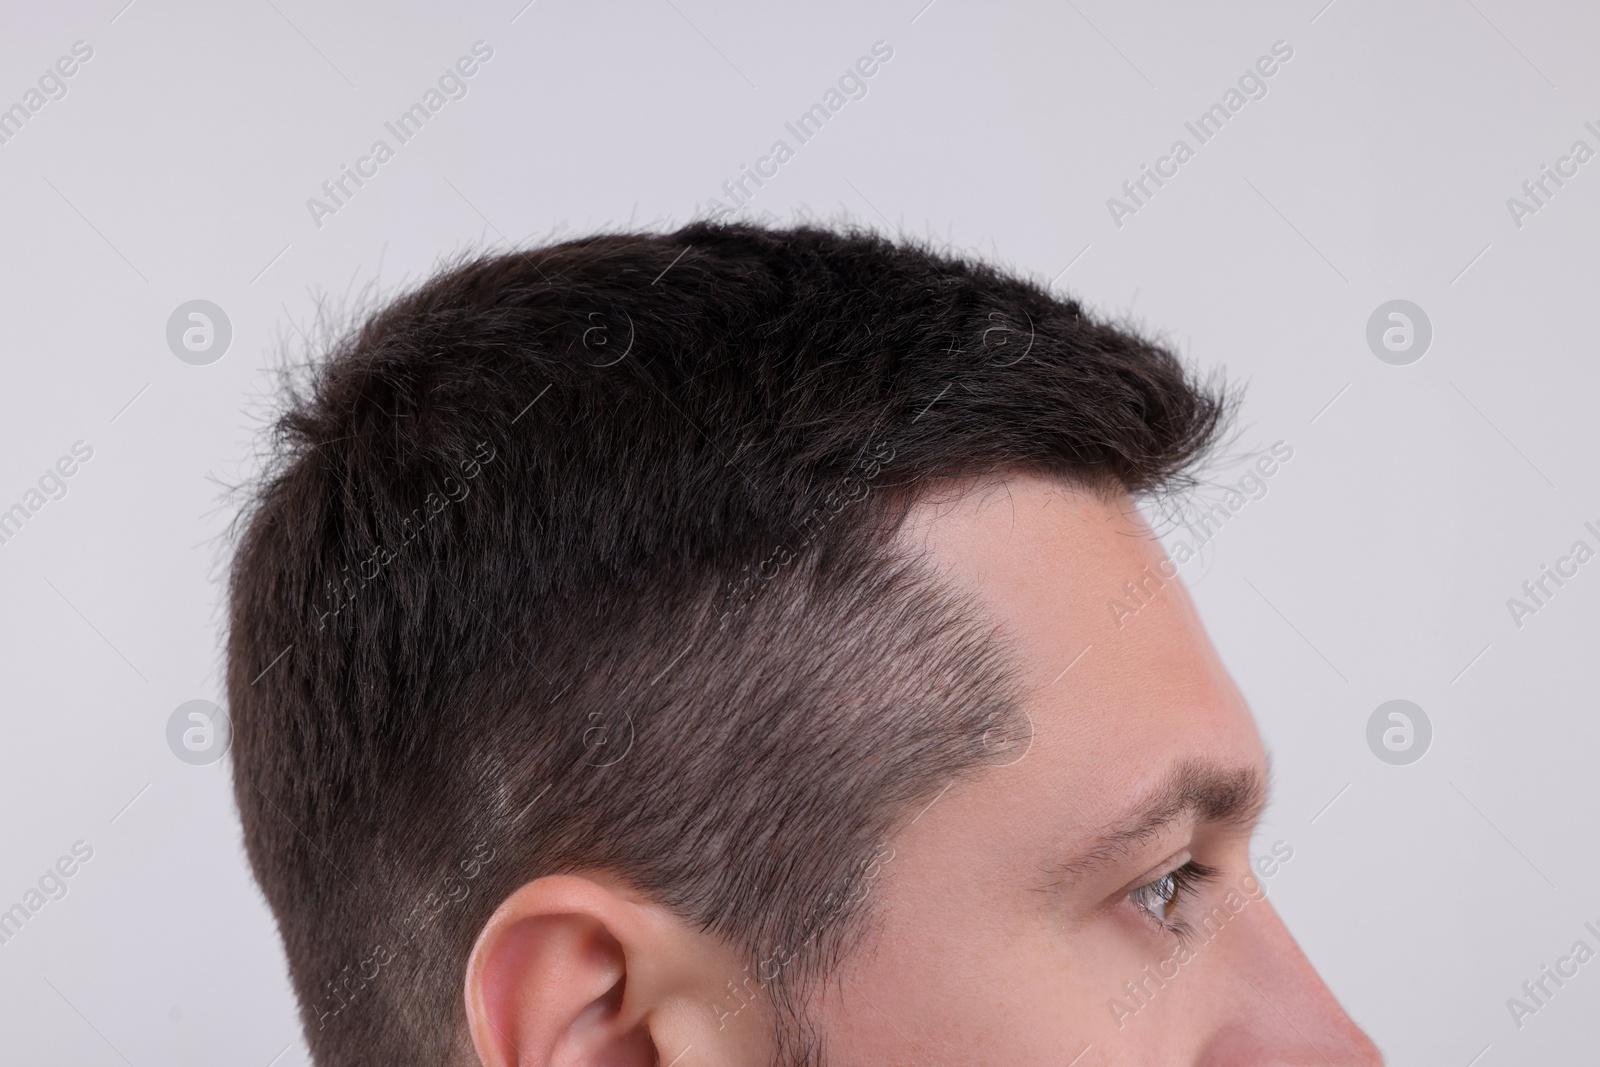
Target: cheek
975 969
948 994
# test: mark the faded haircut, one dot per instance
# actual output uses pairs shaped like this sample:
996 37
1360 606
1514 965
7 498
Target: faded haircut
583 558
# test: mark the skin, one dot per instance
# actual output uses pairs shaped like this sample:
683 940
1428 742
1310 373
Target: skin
1010 915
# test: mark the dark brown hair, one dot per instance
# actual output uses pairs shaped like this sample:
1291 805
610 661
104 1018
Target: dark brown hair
581 558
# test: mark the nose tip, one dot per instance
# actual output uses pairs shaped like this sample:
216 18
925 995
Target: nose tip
1258 1046
1368 1051
1284 1015
1298 1033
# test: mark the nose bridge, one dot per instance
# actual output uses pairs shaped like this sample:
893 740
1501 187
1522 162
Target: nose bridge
1279 1011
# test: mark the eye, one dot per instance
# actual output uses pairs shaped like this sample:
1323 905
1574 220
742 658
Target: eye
1157 899
1160 898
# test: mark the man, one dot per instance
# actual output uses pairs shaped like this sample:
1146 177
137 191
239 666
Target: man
693 649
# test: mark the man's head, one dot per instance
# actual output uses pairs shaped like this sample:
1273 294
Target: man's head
696 645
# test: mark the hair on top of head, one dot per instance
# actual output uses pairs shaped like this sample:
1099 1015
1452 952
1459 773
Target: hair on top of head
580 558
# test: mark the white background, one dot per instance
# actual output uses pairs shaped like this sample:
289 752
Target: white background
1378 566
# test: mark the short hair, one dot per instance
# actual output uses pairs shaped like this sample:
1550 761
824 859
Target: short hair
583 558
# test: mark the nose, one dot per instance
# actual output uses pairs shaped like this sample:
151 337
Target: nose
1274 1008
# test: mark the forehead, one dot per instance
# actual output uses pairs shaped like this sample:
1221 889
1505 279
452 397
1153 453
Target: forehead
1122 683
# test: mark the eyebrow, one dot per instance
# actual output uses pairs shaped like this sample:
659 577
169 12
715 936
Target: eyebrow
1214 794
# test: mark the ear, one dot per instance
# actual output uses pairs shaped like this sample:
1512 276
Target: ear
581 970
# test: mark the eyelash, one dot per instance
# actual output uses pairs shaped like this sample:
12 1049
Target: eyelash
1159 907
